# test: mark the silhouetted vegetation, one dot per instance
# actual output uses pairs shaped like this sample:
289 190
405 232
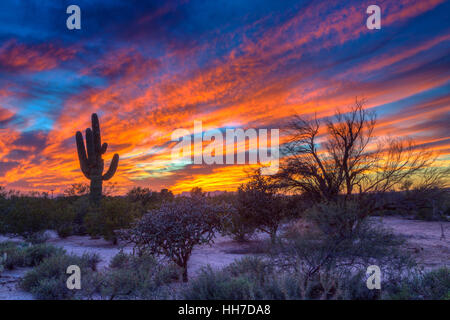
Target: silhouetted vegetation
175 228
259 207
30 215
333 185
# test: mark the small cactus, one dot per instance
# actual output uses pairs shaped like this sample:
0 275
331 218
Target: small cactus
91 163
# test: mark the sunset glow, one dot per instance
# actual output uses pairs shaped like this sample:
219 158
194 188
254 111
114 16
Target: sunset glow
149 69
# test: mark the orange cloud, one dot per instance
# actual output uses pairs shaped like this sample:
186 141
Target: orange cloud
16 56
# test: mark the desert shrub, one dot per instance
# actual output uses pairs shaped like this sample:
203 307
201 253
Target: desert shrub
48 279
24 255
223 285
137 277
432 285
39 237
234 222
81 207
76 190
219 285
50 289
114 213
35 254
307 267
128 277
423 202
175 228
29 215
148 199
247 278
254 267
259 207
63 217
333 266
237 223
25 215
296 227
13 254
120 260
336 218
353 287
368 244
166 195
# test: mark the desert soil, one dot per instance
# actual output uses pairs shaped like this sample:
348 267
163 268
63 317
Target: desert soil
424 242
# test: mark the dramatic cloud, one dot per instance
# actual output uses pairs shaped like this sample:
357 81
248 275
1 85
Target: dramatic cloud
16 57
150 69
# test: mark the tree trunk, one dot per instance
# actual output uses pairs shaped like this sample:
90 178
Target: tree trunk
185 273
96 190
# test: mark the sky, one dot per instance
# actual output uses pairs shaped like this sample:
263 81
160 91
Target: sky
150 67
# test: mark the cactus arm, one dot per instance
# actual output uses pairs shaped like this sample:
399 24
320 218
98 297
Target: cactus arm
82 154
104 147
90 147
112 167
96 134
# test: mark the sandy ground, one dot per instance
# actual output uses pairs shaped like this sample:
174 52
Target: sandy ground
424 242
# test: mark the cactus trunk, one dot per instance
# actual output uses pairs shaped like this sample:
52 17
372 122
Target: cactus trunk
96 189
91 161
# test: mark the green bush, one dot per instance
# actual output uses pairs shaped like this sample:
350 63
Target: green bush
219 285
310 266
336 218
35 254
50 289
272 284
81 207
30 215
13 254
249 278
148 199
48 279
25 215
238 225
137 277
39 237
258 207
128 277
24 255
113 214
432 285
254 267
64 218
354 287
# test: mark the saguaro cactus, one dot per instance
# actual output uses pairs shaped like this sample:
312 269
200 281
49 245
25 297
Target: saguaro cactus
92 164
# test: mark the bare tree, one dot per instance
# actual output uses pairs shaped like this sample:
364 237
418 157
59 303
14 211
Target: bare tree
340 157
